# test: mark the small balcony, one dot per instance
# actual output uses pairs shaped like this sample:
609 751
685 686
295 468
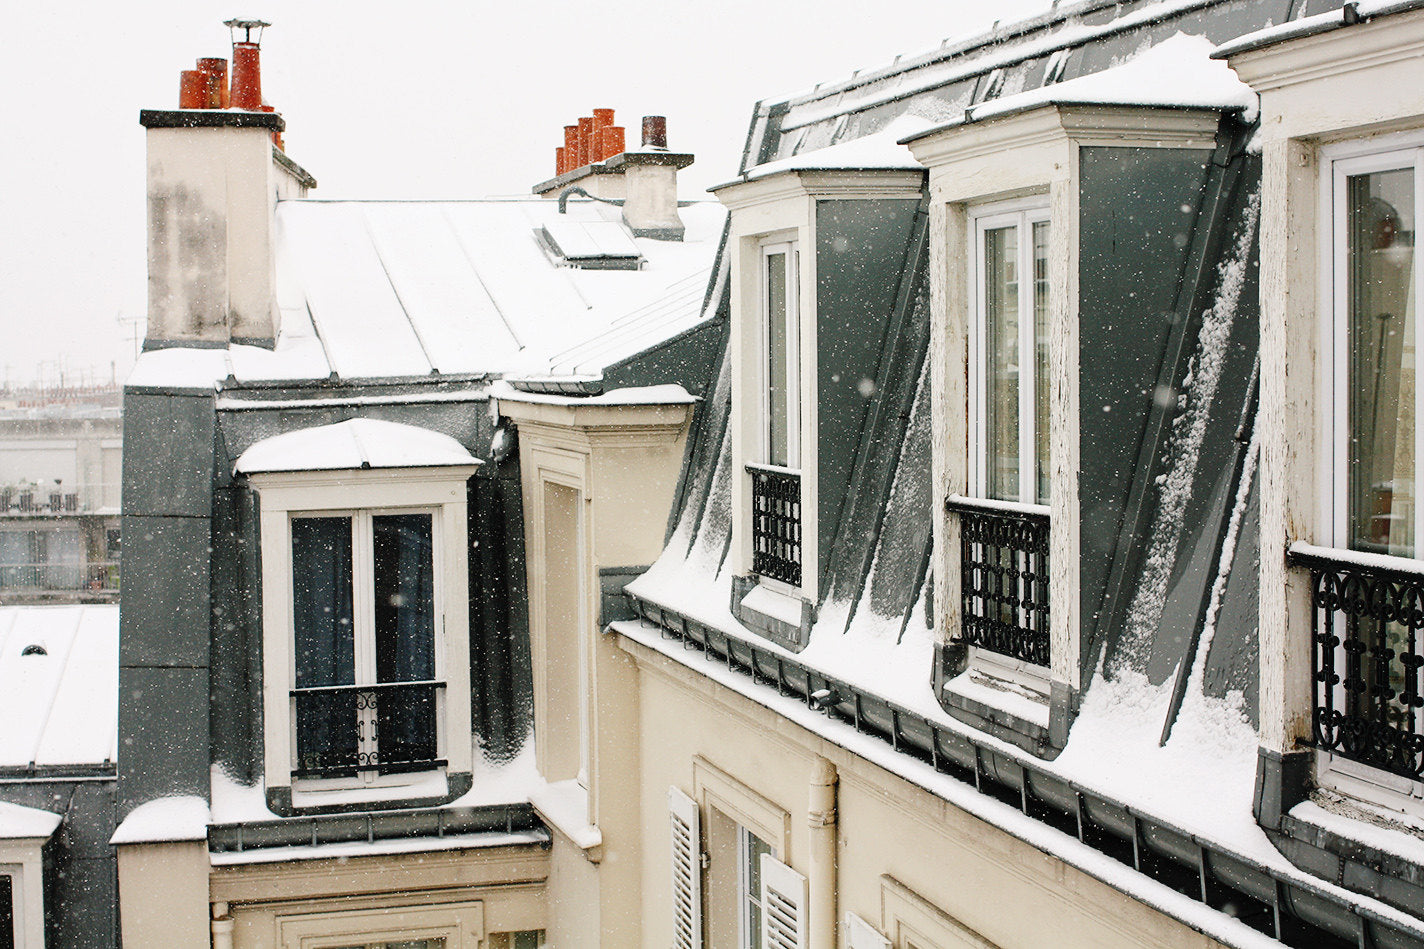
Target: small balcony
386 728
1003 553
1367 652
776 523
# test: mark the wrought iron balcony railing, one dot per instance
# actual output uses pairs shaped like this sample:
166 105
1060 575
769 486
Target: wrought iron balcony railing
776 523
386 728
92 577
28 499
1367 653
1003 592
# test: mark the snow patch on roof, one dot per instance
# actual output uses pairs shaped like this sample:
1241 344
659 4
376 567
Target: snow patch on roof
355 443
1176 73
59 704
165 820
180 367
18 822
879 151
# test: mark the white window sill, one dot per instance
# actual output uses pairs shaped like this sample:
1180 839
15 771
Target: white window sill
774 603
430 784
1023 701
1371 786
563 805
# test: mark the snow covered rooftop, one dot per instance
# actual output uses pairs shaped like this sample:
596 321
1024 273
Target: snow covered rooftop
380 289
1177 73
355 443
879 151
18 822
59 685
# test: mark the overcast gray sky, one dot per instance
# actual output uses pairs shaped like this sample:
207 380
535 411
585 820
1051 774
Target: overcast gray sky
423 100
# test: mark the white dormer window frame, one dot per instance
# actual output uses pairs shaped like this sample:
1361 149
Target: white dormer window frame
780 324
768 214
363 496
1021 167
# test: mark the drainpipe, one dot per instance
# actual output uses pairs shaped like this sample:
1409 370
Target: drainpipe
821 817
222 926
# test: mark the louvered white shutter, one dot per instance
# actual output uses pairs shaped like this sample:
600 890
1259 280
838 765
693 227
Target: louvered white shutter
862 935
686 871
783 906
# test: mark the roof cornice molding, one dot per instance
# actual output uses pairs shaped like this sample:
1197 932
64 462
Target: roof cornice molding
821 183
1337 52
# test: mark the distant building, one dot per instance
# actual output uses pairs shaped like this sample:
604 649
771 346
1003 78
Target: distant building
58 750
60 458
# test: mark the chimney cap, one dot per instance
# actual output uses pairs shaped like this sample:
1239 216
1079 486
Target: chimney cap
247 26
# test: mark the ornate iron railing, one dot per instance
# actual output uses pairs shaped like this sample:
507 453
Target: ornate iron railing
776 523
1367 652
1003 593
388 728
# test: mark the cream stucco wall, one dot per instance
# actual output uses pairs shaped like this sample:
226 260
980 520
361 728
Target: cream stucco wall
973 873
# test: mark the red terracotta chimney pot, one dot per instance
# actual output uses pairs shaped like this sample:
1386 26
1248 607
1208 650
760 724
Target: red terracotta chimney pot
192 89
585 126
559 161
602 118
571 137
612 141
216 67
246 77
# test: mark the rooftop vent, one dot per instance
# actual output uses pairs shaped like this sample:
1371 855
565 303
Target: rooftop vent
590 245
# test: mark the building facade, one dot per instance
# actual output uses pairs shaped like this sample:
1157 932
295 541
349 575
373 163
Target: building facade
991 524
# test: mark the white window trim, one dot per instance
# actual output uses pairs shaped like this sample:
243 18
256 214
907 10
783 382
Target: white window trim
20 859
907 917
461 925
1023 214
406 490
792 249
1337 162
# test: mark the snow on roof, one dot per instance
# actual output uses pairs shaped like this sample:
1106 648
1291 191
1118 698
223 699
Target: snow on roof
379 289
165 820
1309 25
18 822
669 394
880 151
60 702
1063 28
1177 73
355 443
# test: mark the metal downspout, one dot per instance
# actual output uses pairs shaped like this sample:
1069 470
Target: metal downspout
821 818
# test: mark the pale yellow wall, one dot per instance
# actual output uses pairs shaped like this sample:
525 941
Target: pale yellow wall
574 920
163 895
970 870
507 882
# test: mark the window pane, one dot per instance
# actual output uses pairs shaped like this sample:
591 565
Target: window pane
1040 349
7 912
322 631
404 575
778 349
1001 350
405 598
321 601
1380 300
752 847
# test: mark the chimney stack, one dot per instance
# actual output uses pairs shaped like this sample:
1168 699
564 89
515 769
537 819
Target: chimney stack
214 178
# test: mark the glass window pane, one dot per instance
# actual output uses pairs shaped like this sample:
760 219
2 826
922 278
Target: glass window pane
1001 350
322 630
778 349
1040 349
7 912
404 574
321 601
1380 302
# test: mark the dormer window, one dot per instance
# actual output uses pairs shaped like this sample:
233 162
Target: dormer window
366 672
